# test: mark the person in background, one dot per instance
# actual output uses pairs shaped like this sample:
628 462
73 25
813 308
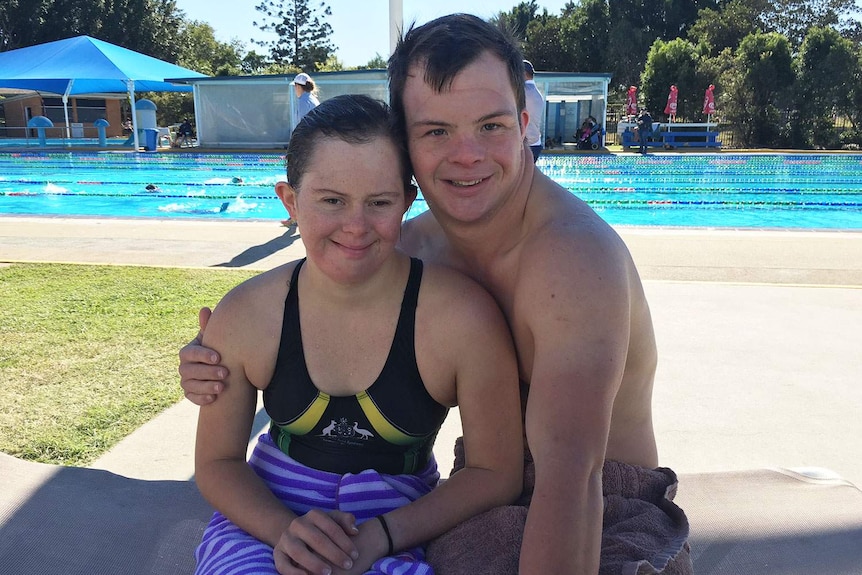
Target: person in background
593 492
306 96
536 110
306 100
184 134
360 352
644 130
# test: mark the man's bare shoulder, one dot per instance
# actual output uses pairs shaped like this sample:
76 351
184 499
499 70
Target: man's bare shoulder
422 237
566 233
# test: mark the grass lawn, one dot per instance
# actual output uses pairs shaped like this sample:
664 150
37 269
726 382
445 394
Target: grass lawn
89 353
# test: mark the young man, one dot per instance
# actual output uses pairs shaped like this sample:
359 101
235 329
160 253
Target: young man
536 108
644 129
573 300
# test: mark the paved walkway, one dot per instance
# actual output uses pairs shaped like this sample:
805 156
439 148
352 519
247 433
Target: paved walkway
758 334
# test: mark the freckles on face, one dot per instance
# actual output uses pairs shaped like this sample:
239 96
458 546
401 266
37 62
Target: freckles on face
479 103
466 143
351 201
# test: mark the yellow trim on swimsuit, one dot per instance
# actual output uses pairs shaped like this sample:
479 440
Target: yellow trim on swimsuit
310 417
385 429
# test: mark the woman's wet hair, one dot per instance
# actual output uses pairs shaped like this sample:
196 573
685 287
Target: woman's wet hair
445 47
351 118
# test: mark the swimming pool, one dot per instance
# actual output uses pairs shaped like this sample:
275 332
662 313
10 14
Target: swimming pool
724 190
60 143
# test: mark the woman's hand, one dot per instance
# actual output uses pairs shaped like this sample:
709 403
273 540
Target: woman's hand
318 542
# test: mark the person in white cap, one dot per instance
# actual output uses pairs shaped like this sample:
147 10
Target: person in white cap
306 95
536 109
306 101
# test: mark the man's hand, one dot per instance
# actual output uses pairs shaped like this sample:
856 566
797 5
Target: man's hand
201 376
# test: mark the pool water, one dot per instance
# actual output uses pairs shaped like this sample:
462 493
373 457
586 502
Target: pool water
55 143
724 190
822 191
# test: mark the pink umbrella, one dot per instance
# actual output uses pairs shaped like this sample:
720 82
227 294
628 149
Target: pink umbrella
670 108
709 102
632 101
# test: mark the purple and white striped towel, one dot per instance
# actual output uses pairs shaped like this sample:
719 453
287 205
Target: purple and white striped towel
228 550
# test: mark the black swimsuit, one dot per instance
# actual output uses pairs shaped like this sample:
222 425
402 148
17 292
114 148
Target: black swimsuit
389 427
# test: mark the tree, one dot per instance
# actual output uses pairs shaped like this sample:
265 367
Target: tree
200 51
332 64
793 18
674 62
716 30
20 23
714 71
854 115
378 62
544 46
757 90
826 74
151 27
586 31
303 39
853 31
681 15
635 25
253 63
147 26
518 20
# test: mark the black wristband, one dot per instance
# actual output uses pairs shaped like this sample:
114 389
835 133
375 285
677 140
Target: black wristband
388 535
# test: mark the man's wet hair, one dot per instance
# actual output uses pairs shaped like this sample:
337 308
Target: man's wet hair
445 47
351 118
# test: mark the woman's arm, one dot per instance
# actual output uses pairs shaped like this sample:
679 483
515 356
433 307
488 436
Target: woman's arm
221 471
466 356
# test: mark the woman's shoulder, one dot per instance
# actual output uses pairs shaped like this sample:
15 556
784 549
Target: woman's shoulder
261 290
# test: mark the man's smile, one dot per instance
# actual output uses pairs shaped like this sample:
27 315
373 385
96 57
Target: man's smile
466 183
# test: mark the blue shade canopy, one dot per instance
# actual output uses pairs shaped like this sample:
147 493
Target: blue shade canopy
85 65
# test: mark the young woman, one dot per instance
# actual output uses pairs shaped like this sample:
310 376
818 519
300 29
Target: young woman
359 351
306 96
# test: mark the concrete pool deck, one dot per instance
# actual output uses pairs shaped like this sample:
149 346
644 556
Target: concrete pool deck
758 333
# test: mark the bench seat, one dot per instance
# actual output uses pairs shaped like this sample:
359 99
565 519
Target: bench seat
70 520
674 139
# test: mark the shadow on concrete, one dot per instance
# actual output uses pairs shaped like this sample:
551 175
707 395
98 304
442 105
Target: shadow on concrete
98 523
56 519
257 253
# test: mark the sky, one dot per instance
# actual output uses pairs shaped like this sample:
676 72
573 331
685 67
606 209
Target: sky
360 28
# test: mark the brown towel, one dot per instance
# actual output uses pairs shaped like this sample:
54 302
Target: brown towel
644 532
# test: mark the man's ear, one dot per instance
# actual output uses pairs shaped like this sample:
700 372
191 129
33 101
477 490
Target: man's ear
525 119
287 195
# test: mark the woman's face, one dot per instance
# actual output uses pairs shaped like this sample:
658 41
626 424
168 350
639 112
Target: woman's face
349 206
